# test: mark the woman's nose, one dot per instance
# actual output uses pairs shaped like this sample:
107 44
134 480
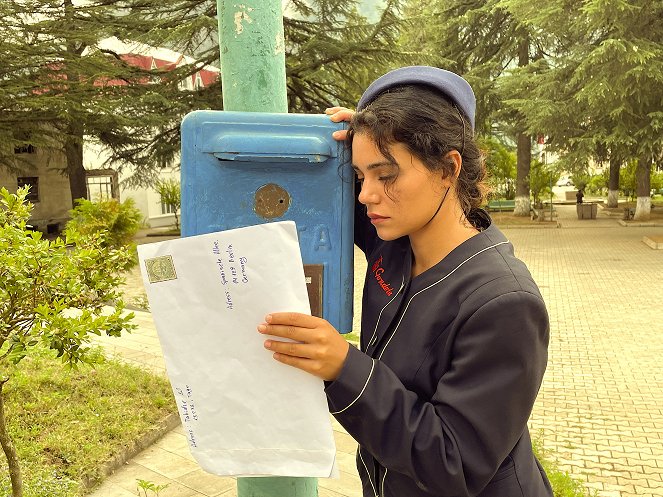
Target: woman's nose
368 193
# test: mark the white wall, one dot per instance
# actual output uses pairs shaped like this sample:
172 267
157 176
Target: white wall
147 199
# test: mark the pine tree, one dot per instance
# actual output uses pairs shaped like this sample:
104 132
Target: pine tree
481 40
600 95
66 89
332 54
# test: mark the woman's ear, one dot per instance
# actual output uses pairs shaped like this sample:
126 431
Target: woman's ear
457 159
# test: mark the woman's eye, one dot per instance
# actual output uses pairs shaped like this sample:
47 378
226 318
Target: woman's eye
386 178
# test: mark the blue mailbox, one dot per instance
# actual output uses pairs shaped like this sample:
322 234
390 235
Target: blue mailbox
246 168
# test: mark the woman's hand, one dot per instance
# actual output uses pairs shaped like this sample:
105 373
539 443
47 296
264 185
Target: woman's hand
338 114
317 348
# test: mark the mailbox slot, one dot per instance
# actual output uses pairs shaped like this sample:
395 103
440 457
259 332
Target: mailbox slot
257 146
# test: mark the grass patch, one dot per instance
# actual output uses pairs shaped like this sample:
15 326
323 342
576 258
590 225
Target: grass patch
508 219
563 484
67 424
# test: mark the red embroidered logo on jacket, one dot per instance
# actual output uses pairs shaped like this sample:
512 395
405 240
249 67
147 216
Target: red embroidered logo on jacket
377 271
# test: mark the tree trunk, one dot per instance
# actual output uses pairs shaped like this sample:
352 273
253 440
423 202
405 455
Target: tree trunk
73 146
9 450
643 188
524 152
74 153
613 182
524 159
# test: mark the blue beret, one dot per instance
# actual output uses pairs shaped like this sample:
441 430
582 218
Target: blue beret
450 84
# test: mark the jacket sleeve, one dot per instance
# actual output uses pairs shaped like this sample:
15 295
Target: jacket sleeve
453 443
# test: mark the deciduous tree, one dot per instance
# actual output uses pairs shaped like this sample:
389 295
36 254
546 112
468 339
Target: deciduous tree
51 296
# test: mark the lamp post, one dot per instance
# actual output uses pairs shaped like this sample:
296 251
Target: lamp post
252 48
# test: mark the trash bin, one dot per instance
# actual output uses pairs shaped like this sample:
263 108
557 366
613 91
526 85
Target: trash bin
587 210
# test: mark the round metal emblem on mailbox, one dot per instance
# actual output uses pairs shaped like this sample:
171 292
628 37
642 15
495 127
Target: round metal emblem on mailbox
271 201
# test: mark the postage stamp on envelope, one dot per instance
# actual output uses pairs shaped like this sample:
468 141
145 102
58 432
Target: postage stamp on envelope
160 269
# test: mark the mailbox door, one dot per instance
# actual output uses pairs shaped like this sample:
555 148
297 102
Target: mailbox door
240 169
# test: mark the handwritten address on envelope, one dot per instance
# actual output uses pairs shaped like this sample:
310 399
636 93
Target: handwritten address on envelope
243 413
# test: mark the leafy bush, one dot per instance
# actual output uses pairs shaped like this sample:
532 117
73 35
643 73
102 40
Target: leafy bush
540 179
169 191
116 222
501 166
52 294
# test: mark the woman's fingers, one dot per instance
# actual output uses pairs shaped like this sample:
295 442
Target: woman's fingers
286 331
292 319
309 343
339 114
292 349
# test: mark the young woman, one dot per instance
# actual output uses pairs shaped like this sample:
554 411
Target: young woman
454 330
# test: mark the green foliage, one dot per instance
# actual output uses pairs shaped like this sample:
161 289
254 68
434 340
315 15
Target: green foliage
563 484
333 52
581 179
114 222
627 180
88 91
540 180
501 166
53 295
169 192
598 183
66 424
657 181
148 486
596 92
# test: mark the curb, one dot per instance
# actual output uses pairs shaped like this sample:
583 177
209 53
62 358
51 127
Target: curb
125 454
653 242
648 224
529 226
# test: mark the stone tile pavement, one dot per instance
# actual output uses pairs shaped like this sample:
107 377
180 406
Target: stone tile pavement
600 409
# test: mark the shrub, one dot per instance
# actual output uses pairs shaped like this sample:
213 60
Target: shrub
169 191
116 222
53 294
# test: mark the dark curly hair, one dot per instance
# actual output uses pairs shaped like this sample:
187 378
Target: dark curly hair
430 126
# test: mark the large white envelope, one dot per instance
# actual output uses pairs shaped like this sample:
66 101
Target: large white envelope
243 412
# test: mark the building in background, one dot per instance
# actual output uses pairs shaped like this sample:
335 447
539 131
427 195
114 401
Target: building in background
43 169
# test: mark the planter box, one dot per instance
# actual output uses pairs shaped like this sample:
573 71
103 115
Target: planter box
587 211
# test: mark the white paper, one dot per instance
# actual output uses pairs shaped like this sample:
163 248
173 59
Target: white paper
243 412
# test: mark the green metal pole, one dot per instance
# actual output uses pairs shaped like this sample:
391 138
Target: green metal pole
252 55
252 47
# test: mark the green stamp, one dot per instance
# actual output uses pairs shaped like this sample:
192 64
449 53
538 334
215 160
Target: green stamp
160 269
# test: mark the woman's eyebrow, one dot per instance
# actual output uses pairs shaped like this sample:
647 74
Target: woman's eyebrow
374 165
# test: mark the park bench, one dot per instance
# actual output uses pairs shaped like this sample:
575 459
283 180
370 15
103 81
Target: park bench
501 205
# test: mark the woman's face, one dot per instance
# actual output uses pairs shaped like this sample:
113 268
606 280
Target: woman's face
402 197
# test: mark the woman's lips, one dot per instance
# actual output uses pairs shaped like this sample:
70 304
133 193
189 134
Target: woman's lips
376 219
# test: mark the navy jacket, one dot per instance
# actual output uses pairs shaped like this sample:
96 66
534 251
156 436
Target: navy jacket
450 364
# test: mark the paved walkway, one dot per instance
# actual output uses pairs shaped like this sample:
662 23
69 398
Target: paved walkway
600 409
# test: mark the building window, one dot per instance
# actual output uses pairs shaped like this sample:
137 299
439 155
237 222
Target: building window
100 187
33 183
25 149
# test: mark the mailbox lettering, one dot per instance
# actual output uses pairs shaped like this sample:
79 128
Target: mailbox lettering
322 239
